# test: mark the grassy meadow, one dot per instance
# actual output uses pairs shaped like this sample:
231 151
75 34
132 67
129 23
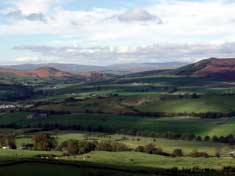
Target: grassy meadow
118 123
167 145
129 159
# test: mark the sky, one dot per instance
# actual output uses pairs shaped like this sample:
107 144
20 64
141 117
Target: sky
106 32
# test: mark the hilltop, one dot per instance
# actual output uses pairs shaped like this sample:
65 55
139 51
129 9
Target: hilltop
212 67
44 72
216 68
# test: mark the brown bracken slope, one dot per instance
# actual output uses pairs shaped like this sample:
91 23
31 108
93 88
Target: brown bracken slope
213 67
44 72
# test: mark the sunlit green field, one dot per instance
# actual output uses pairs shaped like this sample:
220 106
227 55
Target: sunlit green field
132 141
206 103
166 144
135 159
144 102
129 159
117 123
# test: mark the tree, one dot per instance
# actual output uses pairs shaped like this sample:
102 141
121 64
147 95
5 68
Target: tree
218 152
151 149
207 138
198 138
44 142
139 149
177 153
75 147
112 146
215 139
8 140
104 146
70 147
195 153
86 147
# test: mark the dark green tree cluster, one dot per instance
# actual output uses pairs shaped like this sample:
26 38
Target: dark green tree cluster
8 140
76 147
44 142
151 149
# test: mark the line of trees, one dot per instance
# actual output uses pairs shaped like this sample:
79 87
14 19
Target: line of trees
228 139
74 147
47 142
152 149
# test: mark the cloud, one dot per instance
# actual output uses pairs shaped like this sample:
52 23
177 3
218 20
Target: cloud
123 54
188 30
138 15
183 21
17 14
28 7
28 59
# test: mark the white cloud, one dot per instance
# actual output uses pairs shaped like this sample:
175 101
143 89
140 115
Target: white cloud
127 32
138 15
28 7
17 14
183 21
28 59
124 54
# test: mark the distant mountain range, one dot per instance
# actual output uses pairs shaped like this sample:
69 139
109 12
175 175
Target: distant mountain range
213 67
119 69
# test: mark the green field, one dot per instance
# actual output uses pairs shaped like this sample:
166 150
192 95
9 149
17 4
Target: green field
7 155
124 110
166 144
129 159
39 169
134 159
150 102
132 141
206 103
117 123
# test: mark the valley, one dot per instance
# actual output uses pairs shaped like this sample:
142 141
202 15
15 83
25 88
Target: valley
152 121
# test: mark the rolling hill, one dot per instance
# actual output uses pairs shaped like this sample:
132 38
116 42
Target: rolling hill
212 67
44 72
142 67
74 68
118 69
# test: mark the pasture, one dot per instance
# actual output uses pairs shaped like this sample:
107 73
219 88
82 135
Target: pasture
122 124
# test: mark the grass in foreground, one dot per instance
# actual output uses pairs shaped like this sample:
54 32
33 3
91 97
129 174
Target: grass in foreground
134 159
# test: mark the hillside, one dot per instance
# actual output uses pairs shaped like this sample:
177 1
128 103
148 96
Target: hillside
118 69
143 67
44 72
213 67
74 68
